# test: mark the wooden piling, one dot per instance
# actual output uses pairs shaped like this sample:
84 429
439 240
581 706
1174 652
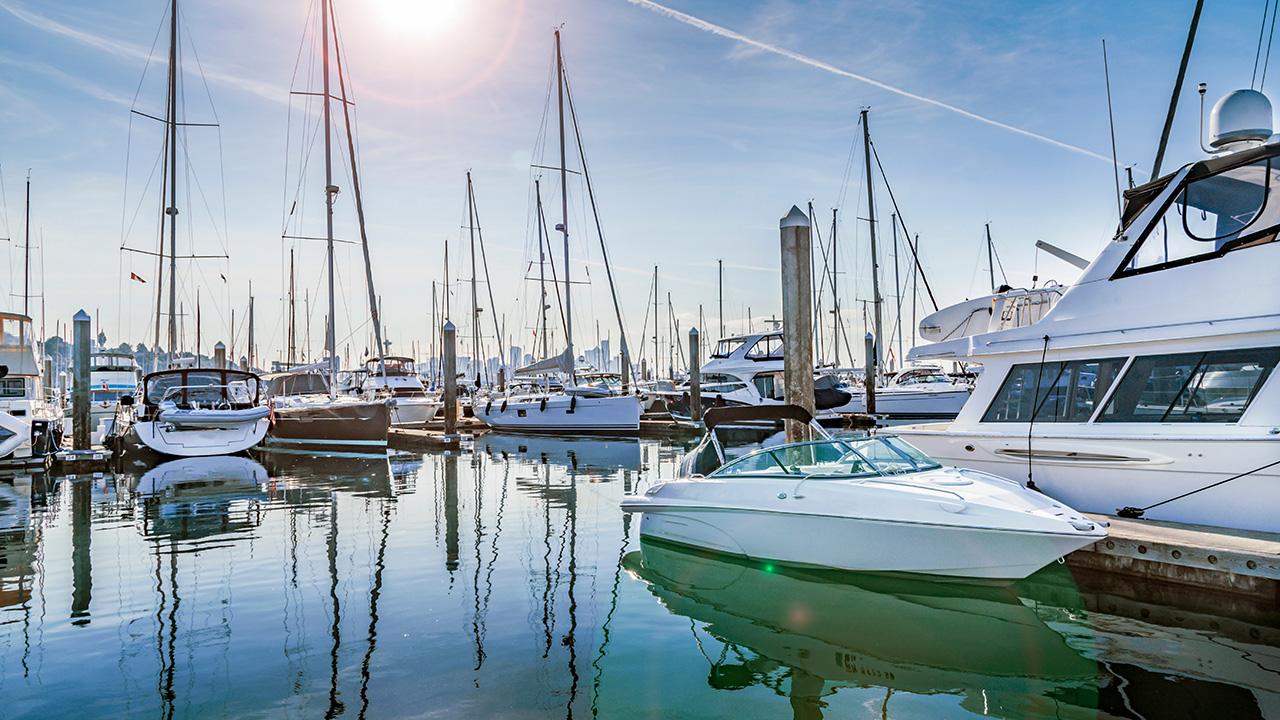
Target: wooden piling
695 378
448 340
797 317
80 430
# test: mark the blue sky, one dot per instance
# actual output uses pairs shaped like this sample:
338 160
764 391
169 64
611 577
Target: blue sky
698 143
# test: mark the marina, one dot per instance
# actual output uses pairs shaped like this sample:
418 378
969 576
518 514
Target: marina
976 429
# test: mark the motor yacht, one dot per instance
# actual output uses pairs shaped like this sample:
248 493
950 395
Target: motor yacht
112 375
1149 386
396 379
920 392
873 504
30 422
196 412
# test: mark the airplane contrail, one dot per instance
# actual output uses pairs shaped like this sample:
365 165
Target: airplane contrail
727 33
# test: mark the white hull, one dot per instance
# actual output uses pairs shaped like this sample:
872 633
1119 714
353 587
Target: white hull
946 522
922 404
413 411
168 439
563 414
1096 473
863 545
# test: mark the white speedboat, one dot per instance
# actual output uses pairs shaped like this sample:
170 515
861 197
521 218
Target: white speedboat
396 378
1150 385
872 504
194 412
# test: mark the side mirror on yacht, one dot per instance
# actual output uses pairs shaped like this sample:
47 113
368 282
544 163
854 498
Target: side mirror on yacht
4 370
126 400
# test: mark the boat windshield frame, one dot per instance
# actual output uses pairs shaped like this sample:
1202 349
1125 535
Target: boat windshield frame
1251 234
180 393
878 456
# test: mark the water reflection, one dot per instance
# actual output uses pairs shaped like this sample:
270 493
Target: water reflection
496 583
814 632
200 497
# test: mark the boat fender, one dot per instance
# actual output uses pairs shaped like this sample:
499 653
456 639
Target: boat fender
542 406
573 404
504 405
488 407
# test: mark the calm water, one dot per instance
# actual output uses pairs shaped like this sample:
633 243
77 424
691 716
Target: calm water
506 583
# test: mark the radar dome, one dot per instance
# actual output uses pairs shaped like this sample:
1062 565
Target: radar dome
1243 116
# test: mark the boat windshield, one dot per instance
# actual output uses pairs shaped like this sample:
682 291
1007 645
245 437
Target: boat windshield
725 348
833 459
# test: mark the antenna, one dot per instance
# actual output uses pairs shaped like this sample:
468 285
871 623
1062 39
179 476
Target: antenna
1204 87
1115 164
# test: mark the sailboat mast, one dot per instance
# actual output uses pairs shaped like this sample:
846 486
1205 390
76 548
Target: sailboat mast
721 286
330 190
897 285
875 266
374 314
564 215
172 210
835 292
657 357
26 283
293 316
475 306
542 271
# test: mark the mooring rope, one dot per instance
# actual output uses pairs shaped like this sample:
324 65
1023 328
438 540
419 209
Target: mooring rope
1133 512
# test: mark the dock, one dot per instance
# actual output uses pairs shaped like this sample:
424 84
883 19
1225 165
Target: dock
1237 562
431 436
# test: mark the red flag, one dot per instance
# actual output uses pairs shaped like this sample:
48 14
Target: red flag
135 276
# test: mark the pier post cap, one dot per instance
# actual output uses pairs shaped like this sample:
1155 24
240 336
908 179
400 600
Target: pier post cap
693 332
869 336
219 346
81 316
795 218
448 326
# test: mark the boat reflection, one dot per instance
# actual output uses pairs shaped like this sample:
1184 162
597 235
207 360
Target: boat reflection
827 630
361 475
200 497
579 453
17 555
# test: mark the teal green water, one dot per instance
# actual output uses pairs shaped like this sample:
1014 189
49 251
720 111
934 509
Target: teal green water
506 583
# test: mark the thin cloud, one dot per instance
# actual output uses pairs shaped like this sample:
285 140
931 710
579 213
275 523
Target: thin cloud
727 33
119 49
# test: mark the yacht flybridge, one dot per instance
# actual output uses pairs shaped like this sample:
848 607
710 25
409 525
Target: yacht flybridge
1150 386
861 504
396 379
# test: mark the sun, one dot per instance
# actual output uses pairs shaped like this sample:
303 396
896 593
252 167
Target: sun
419 17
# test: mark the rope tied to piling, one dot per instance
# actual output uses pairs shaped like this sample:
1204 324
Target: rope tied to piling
1134 513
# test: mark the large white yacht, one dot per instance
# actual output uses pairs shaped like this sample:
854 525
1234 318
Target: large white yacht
1150 384
30 423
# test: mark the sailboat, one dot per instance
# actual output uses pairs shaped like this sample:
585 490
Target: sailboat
310 415
574 409
185 411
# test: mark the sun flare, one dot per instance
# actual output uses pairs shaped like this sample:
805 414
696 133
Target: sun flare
419 17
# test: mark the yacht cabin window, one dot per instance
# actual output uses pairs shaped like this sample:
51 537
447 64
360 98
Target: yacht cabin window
1053 391
725 348
1212 387
768 347
13 387
1209 216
